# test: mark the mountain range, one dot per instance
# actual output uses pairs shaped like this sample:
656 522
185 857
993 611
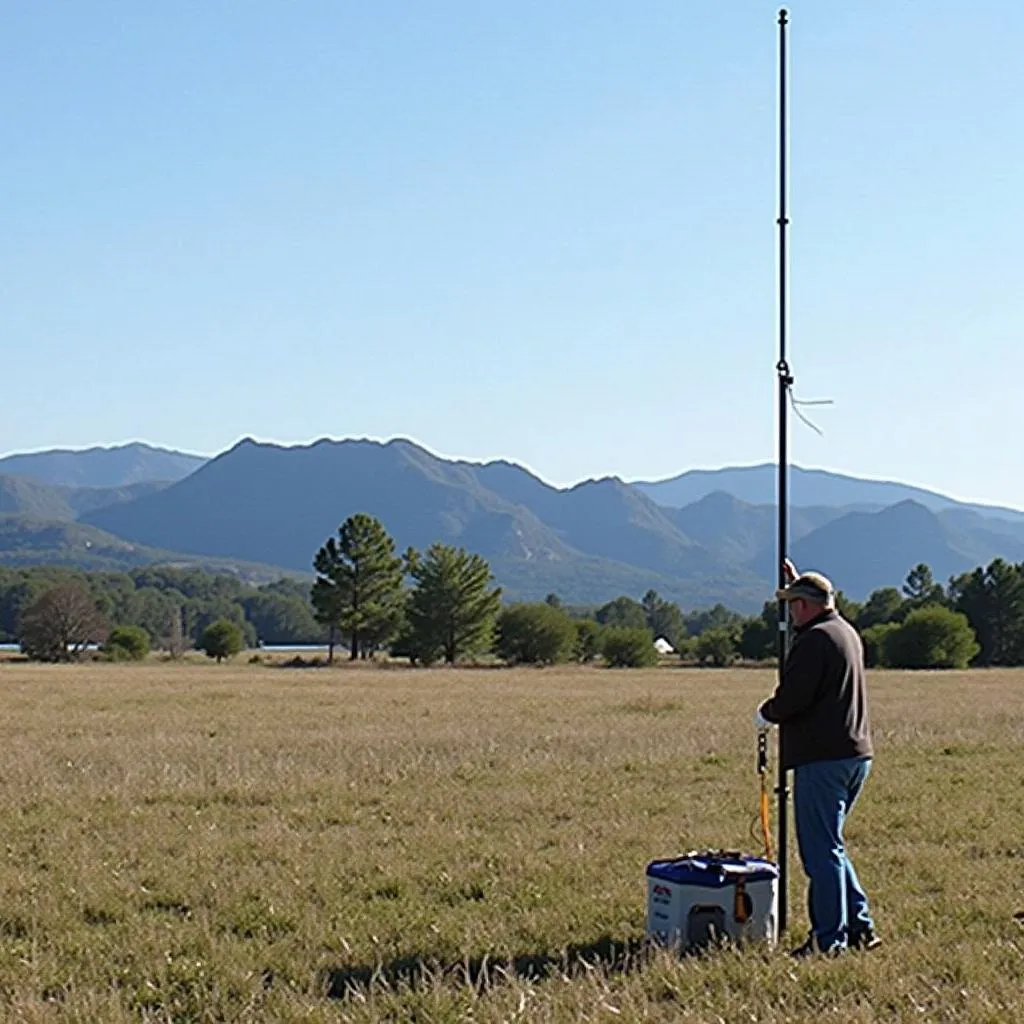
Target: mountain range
114 466
757 485
699 538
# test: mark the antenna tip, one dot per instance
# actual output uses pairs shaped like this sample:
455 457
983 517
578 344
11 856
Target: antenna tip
783 16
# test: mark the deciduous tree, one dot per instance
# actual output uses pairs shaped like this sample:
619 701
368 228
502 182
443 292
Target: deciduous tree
61 623
587 645
173 638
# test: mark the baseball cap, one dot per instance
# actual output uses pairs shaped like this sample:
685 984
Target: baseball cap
809 586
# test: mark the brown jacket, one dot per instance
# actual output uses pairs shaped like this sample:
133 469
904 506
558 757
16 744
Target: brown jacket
821 704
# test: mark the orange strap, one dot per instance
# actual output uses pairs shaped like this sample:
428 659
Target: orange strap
766 824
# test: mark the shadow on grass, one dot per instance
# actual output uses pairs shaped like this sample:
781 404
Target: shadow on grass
299 662
608 955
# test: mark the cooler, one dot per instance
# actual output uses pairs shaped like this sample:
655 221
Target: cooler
703 898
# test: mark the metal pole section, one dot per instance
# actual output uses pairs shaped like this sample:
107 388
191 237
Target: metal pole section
785 380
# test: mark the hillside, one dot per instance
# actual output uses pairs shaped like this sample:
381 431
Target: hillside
24 496
605 518
737 532
25 541
115 466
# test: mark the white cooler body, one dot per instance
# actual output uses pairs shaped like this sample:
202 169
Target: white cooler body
699 899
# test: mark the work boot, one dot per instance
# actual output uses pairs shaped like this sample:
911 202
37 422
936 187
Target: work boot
864 939
811 948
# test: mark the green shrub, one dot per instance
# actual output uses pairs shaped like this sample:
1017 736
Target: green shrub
127 643
589 638
628 647
874 638
932 637
716 646
221 639
758 640
687 648
534 634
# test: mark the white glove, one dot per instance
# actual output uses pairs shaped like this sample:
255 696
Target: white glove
761 724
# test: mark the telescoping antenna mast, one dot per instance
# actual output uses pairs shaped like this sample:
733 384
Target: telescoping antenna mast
785 381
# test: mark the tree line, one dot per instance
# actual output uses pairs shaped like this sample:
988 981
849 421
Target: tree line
976 619
442 605
450 612
172 608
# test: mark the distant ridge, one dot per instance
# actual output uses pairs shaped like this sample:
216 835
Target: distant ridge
808 487
112 466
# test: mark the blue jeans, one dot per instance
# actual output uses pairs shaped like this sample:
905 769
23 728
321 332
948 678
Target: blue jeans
823 795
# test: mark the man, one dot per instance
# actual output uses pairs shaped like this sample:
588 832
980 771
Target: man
821 709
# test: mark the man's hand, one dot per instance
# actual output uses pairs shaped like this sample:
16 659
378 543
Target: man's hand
761 724
789 570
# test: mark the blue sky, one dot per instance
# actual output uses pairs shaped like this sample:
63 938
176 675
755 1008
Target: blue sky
534 230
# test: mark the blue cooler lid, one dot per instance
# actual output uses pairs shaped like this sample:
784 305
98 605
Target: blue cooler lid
713 870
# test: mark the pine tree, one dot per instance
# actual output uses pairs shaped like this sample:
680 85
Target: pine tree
992 598
358 591
221 639
921 589
623 611
451 610
664 618
883 605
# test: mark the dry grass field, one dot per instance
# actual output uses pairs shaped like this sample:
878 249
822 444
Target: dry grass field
192 842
